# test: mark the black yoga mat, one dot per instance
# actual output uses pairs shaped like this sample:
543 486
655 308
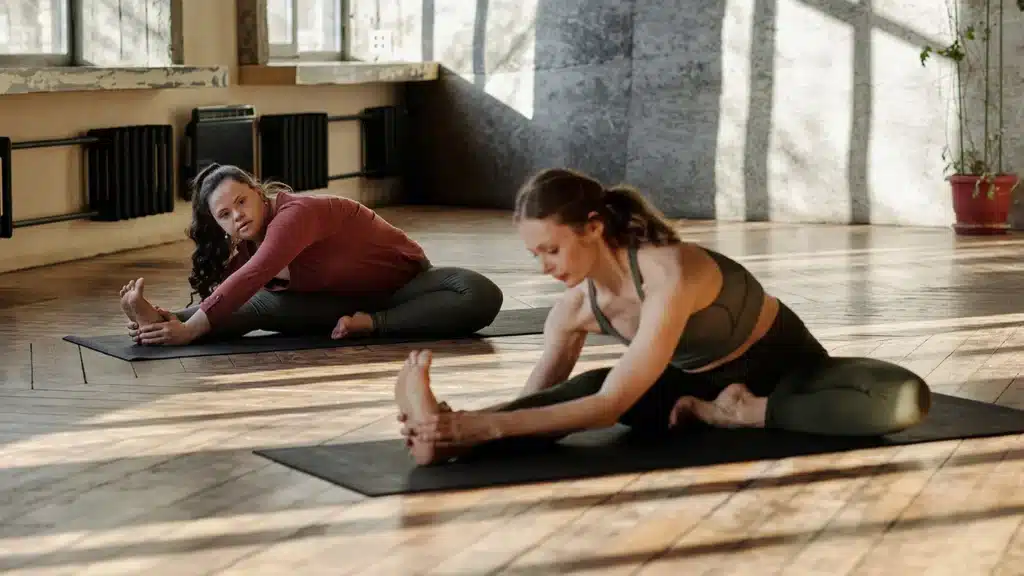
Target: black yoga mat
382 468
507 323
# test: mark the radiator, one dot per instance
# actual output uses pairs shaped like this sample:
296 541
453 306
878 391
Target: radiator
293 149
6 194
221 134
130 172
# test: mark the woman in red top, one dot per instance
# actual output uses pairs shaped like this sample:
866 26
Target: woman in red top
268 259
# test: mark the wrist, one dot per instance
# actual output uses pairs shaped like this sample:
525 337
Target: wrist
197 325
192 331
497 425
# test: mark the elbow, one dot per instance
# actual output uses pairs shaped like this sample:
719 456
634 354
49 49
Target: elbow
609 411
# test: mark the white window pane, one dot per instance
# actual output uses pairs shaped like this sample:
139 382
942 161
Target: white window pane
279 21
34 26
320 25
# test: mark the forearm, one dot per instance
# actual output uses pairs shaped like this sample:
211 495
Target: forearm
593 411
533 386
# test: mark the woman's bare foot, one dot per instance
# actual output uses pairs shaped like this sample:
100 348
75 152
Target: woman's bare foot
358 323
735 407
135 306
416 400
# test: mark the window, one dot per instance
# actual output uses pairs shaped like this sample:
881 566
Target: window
85 32
306 29
35 33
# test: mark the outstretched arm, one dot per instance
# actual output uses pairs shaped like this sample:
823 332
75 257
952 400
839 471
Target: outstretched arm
662 320
293 229
563 343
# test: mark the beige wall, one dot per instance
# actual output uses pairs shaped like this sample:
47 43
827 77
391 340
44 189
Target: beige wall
48 181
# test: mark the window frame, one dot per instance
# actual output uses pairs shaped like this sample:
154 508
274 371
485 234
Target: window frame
70 57
290 52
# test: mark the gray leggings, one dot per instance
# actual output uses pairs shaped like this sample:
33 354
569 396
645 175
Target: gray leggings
808 391
443 302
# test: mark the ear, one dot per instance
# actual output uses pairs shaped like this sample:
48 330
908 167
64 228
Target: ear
594 226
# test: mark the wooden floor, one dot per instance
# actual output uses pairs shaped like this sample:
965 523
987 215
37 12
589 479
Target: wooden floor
110 467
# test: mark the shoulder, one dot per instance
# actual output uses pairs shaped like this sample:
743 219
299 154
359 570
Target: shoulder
568 314
676 270
295 217
292 206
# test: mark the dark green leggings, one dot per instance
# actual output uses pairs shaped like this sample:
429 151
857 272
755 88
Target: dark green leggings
442 302
808 391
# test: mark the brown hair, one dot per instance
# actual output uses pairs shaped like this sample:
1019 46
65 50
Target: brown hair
213 247
572 198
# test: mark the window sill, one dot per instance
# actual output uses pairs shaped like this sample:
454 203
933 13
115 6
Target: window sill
33 80
336 73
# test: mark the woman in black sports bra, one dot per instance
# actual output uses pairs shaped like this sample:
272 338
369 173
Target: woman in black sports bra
704 341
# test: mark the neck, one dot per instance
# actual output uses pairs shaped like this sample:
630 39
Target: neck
268 213
611 271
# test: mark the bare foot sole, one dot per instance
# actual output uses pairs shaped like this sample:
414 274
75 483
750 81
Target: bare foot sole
358 323
735 407
135 306
416 400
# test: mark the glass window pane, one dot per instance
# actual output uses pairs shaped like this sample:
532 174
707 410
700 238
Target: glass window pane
320 25
34 27
279 21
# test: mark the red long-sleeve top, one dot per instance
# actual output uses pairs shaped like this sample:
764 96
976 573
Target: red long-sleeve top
329 244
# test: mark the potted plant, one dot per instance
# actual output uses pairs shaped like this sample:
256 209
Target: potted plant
982 191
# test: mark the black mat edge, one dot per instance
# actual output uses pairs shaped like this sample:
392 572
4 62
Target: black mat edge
123 348
290 457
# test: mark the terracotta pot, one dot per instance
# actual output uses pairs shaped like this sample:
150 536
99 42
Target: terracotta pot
977 212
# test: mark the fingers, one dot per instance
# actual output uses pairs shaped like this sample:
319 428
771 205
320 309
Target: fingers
154 334
153 328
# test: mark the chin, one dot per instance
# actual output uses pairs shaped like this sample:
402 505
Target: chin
570 281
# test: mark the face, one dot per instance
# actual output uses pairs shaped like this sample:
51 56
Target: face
564 252
238 209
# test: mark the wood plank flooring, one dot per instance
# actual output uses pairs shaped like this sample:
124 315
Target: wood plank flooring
108 467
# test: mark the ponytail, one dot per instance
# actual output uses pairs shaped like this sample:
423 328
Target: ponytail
632 219
573 198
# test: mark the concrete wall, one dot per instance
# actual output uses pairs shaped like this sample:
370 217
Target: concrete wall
788 110
48 181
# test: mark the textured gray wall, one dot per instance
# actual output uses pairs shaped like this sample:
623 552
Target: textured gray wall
785 110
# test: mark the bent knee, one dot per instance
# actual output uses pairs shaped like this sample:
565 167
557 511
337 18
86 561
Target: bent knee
482 293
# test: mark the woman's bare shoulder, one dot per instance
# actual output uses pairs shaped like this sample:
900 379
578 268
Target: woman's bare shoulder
568 314
685 262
